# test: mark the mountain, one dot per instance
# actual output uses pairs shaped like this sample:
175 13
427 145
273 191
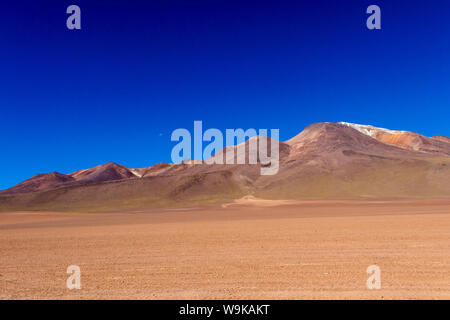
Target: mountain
325 161
334 161
48 181
105 172
40 182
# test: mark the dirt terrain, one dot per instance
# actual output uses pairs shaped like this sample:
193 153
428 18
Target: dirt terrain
292 250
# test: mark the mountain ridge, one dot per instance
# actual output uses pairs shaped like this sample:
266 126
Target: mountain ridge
326 160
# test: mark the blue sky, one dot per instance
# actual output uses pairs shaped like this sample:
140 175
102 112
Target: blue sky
137 70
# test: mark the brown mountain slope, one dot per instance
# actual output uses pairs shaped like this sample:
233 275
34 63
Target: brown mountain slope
336 141
105 172
155 170
48 181
41 182
329 160
442 138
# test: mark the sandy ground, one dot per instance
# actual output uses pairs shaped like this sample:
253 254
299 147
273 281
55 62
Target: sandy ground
304 250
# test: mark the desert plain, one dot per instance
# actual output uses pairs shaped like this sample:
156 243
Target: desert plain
249 249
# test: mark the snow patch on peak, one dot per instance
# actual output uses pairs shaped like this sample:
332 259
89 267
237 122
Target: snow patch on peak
137 174
368 129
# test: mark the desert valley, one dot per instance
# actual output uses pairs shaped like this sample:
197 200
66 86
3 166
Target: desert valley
346 196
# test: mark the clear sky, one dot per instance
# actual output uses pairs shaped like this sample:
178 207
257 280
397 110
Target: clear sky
137 70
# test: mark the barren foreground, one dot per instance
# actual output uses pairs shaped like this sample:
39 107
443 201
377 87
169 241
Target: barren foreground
303 250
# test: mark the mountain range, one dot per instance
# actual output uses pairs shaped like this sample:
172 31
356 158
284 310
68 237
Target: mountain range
325 161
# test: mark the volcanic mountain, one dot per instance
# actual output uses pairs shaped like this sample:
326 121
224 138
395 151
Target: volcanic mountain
105 172
41 182
329 160
47 181
325 161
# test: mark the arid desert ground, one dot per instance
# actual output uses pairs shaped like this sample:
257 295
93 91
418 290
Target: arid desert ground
248 250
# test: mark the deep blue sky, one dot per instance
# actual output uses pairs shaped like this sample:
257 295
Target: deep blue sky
115 90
